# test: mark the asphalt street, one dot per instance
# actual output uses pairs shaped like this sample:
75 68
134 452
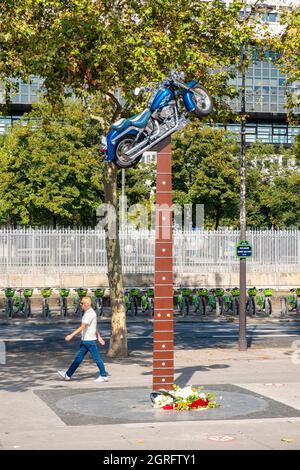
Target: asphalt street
140 335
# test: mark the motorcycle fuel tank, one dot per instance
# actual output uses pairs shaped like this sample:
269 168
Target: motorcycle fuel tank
161 98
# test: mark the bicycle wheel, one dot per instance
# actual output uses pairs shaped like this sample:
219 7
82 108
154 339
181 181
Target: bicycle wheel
47 309
43 309
144 304
298 307
100 306
151 303
235 307
9 306
227 305
268 306
65 307
196 303
27 308
202 306
131 307
283 307
186 306
135 304
252 307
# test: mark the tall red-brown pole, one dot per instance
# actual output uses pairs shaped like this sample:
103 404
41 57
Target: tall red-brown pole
163 336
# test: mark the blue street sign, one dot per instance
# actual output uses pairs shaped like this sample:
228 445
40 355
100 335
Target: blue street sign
244 249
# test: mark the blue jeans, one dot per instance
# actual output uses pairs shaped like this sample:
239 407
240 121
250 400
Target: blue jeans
91 347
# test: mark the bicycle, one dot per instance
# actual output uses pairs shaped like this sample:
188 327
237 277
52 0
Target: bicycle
219 293
9 301
251 301
63 301
211 301
134 295
46 294
294 300
263 300
184 300
126 300
200 300
235 292
227 301
80 293
22 301
147 301
97 300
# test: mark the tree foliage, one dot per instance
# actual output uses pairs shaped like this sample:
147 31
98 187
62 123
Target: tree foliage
50 170
205 171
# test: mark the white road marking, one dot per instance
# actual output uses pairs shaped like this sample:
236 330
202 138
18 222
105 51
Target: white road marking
21 339
257 334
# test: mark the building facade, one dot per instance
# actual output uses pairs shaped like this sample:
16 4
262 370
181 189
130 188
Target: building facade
267 88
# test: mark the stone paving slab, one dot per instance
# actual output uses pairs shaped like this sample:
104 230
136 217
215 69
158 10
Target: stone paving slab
132 405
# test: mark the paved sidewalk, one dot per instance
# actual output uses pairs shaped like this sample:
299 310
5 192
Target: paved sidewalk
259 392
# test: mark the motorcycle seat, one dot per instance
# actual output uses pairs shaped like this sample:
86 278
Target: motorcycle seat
139 120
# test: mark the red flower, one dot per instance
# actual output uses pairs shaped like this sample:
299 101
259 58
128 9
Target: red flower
168 407
199 403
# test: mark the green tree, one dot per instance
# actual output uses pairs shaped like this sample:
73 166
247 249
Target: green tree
205 171
282 200
270 170
50 170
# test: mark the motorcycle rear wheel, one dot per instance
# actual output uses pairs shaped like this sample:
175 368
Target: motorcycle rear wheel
203 101
121 159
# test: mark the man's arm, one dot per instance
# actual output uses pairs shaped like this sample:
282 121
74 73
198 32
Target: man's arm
76 332
99 338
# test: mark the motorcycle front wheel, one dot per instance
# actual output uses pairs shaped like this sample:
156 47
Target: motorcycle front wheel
203 101
121 159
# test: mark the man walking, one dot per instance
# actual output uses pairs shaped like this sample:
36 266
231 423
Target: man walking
89 337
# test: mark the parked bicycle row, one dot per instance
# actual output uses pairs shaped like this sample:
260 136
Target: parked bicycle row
291 303
19 301
223 301
202 301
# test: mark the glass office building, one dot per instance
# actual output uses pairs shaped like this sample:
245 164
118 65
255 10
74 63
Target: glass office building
267 90
22 97
266 104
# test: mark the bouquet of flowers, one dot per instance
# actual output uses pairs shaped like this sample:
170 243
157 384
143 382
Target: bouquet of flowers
187 398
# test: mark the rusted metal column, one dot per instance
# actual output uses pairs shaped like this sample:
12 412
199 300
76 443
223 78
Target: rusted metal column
163 326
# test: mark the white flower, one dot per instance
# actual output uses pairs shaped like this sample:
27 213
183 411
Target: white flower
183 392
162 400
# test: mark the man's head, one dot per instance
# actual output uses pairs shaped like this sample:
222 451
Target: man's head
86 303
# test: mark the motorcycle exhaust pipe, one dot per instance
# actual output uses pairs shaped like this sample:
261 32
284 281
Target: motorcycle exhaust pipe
132 151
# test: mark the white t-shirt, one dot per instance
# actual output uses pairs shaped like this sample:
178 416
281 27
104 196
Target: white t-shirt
89 318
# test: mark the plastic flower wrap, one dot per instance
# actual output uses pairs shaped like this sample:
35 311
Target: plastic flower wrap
187 398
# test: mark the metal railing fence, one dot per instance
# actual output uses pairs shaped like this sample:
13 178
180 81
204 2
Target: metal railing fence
83 250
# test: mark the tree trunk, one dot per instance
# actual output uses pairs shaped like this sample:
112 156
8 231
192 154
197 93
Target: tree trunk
118 339
217 219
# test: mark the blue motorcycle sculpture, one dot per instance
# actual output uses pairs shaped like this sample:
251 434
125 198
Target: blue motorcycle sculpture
168 106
